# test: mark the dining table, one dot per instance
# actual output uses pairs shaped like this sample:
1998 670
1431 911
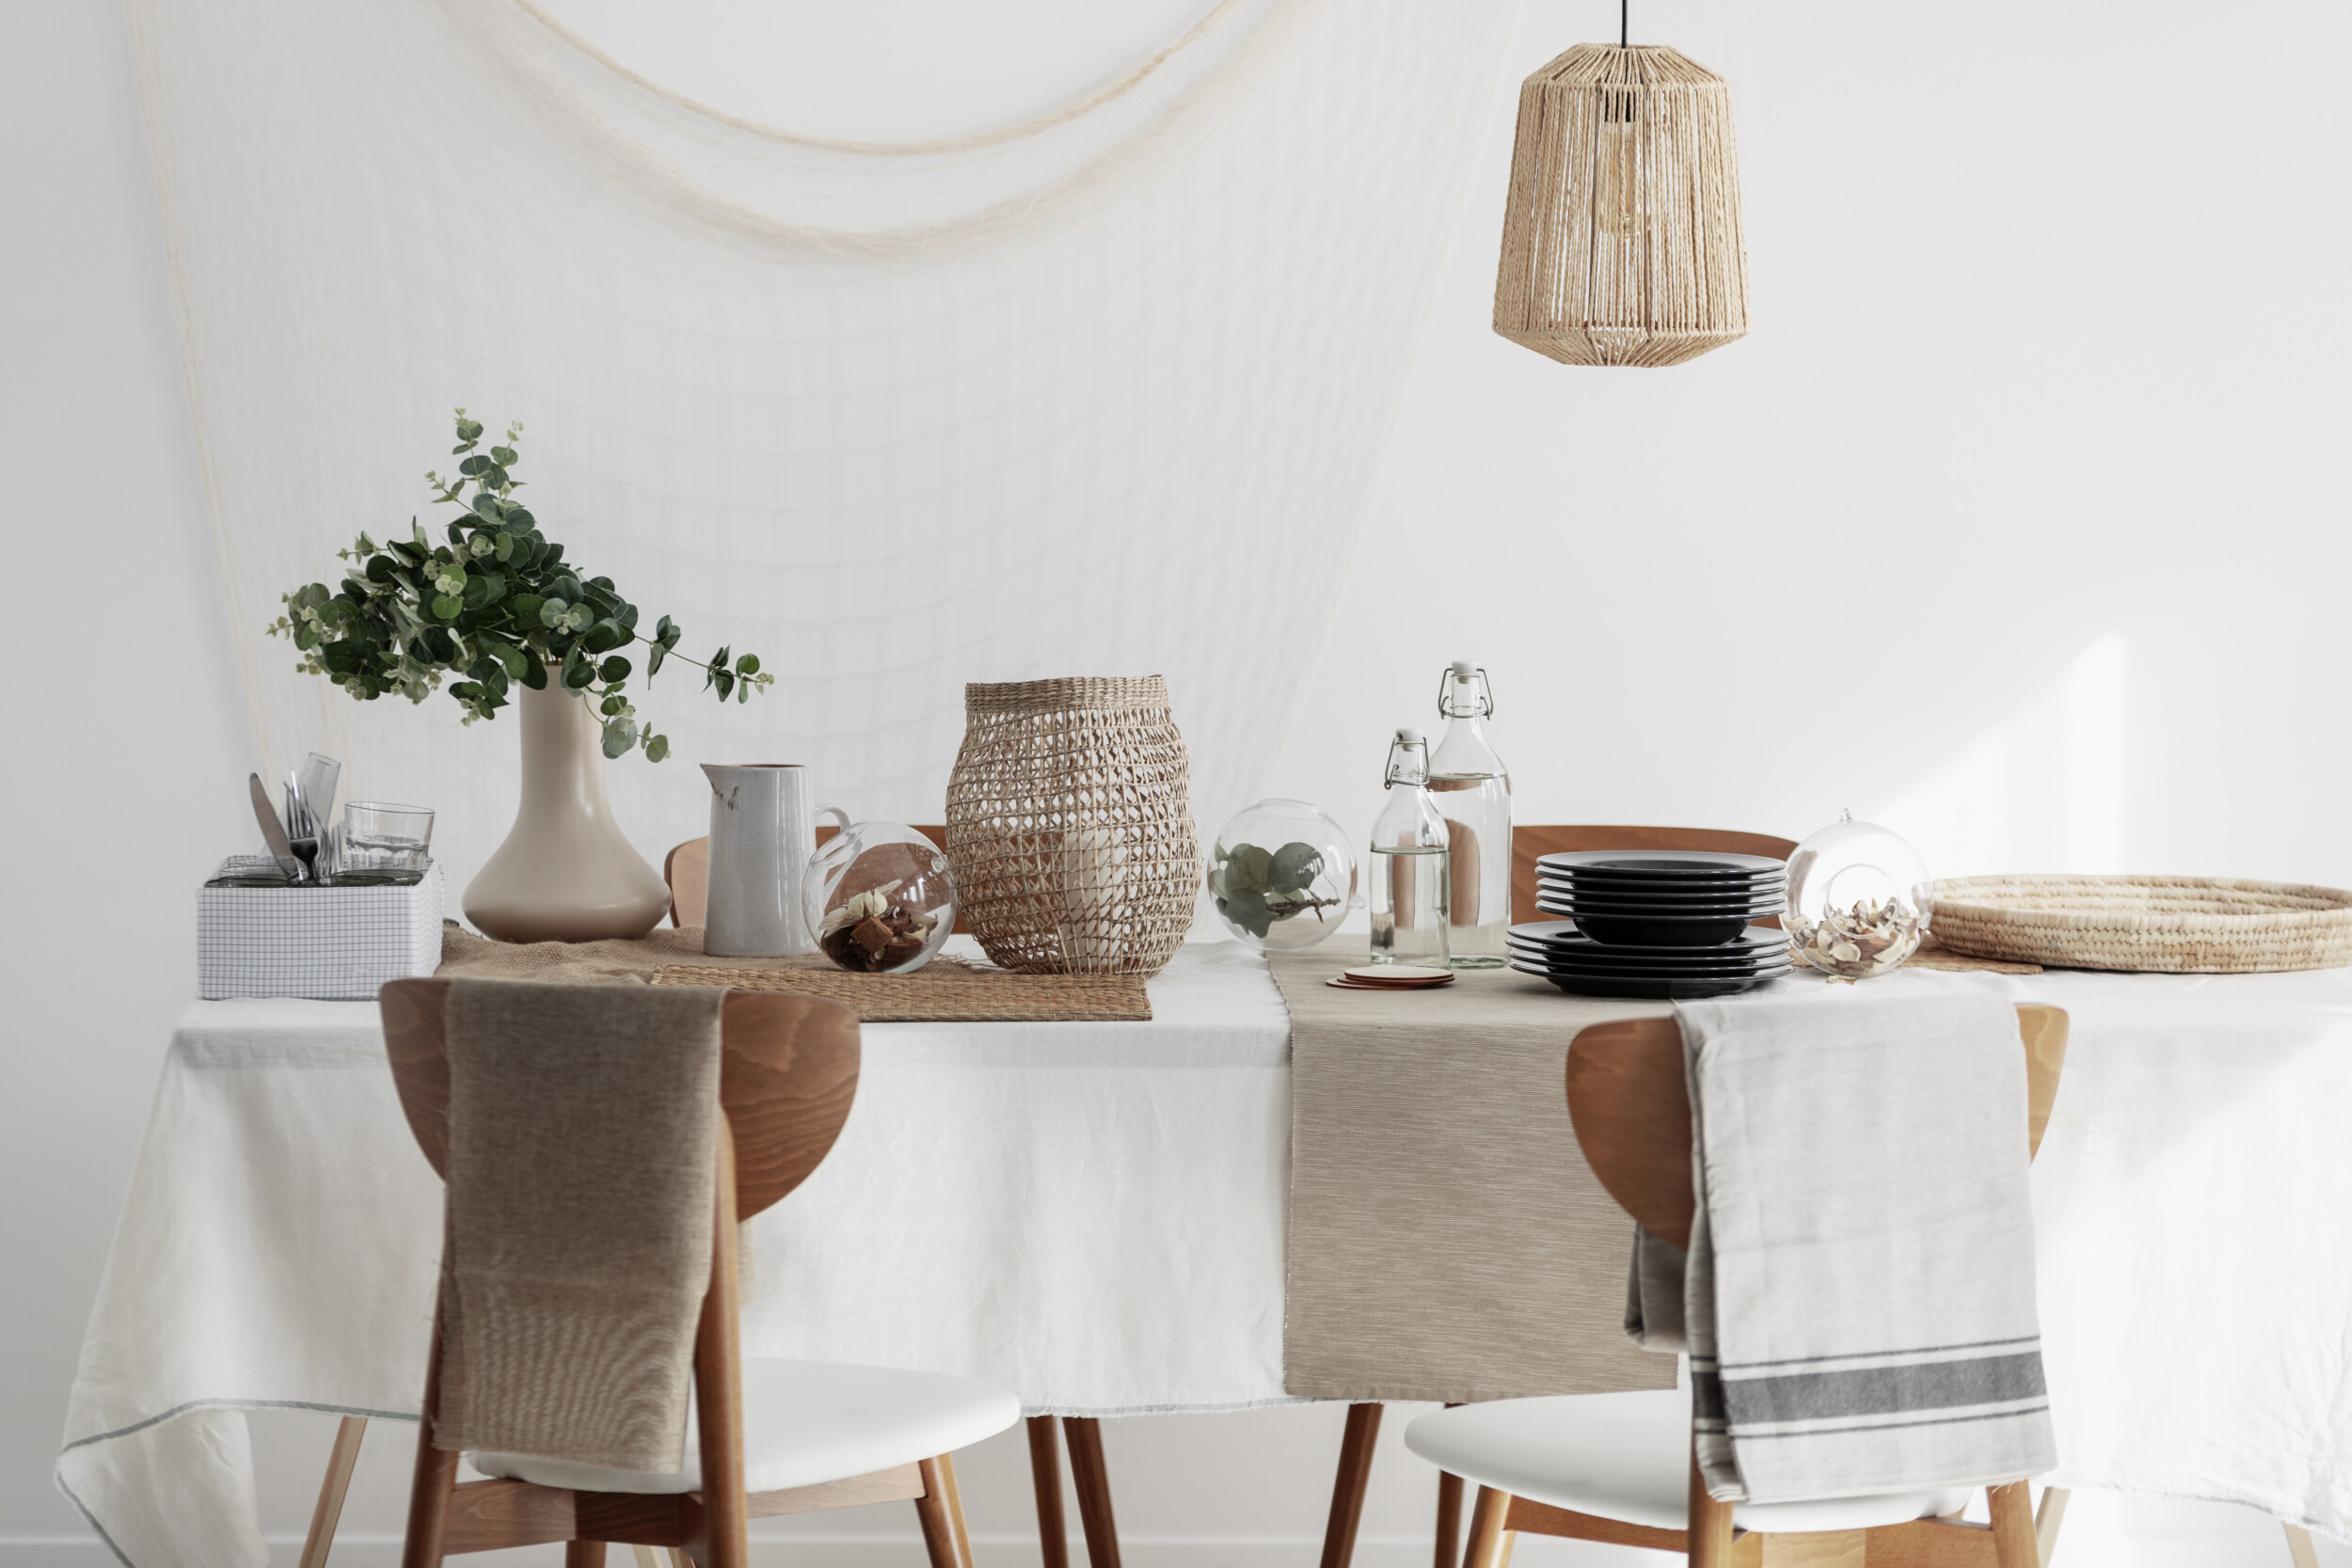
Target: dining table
1095 1214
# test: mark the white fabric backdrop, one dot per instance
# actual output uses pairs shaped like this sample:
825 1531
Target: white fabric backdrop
1101 397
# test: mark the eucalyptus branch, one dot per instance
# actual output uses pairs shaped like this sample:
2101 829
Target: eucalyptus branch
496 604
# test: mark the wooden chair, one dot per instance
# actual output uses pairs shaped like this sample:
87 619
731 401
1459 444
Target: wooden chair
1528 843
787 1080
1617 1467
687 869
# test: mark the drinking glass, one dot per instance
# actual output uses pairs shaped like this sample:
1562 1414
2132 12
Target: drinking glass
383 843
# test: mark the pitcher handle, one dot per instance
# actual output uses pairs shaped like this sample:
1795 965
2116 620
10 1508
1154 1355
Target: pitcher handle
841 818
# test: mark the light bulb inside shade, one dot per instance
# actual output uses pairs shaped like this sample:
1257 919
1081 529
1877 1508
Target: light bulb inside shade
1620 205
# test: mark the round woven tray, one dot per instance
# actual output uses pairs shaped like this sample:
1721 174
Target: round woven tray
2174 925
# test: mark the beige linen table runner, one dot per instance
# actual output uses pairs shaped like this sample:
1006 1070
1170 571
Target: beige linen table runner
583 1146
1447 1241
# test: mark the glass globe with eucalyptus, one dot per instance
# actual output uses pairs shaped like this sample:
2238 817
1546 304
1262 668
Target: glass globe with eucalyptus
1282 876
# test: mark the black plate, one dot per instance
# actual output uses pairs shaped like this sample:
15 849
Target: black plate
1655 990
1530 965
1677 887
1596 956
1549 934
1659 863
1569 903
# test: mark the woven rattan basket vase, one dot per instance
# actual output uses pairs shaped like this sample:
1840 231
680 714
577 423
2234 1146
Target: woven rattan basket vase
2171 925
1070 825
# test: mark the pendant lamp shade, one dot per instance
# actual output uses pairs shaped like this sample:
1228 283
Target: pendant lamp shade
1621 241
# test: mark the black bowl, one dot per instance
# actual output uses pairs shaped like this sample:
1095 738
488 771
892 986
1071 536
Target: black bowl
1651 930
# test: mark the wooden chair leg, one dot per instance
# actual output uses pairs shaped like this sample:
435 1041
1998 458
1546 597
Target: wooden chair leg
2300 1548
436 1475
1489 1540
1347 1486
1449 1549
1710 1524
1093 1481
2014 1544
583 1553
2046 1520
332 1487
1053 1531
942 1513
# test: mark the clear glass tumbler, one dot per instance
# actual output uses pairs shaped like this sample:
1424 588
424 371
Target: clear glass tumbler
384 843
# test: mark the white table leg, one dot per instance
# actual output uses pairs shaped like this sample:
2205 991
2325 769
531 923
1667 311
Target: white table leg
341 1461
2300 1548
2046 1521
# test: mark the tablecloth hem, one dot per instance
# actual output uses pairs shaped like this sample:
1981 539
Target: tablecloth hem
1113 1412
179 1410
2284 1513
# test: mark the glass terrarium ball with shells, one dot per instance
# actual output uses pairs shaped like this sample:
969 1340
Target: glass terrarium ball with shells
1282 876
1858 900
880 898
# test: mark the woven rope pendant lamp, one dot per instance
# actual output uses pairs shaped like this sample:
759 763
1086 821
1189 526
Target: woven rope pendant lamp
1621 241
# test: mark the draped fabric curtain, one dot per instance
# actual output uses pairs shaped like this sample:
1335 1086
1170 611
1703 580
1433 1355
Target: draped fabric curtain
1099 394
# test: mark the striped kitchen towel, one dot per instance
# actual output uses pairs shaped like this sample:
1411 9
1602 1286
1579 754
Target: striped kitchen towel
1858 1295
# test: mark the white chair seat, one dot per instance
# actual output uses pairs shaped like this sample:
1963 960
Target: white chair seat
806 1422
1625 1457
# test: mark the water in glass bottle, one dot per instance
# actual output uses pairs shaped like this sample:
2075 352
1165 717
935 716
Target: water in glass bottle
1409 862
1472 791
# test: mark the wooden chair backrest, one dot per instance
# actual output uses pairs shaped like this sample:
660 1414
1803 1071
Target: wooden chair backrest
686 870
1630 1105
1529 842
786 1079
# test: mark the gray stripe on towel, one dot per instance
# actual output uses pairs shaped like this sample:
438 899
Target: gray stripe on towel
1878 1391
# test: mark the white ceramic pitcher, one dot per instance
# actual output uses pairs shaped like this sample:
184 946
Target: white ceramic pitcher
762 831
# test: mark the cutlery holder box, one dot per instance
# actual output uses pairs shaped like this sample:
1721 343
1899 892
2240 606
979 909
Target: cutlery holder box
324 943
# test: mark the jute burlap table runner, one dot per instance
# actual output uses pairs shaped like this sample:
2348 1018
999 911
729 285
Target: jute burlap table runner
1446 1240
943 992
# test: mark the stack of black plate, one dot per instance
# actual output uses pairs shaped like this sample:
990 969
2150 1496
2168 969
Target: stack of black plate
1654 923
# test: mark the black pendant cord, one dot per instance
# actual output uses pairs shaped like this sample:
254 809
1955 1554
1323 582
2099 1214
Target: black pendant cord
1622 33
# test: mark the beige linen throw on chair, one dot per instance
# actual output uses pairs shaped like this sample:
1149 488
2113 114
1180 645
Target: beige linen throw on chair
582 1148
1858 1295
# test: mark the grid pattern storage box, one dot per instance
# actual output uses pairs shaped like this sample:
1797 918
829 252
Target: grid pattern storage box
324 943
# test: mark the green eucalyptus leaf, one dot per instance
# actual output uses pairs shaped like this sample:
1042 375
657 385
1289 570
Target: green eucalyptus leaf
551 613
657 747
1247 910
619 735
534 671
445 607
605 636
747 665
653 660
1249 869
614 669
1295 866
724 682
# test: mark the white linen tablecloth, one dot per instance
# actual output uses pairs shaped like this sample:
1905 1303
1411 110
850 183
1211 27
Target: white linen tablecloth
1092 1215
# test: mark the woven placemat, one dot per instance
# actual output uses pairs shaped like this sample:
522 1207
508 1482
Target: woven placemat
942 995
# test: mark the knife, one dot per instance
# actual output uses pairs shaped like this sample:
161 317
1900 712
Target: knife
273 832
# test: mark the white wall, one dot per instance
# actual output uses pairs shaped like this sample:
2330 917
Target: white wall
2014 525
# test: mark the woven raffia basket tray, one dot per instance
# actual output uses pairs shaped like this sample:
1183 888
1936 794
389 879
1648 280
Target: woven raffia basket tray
2173 924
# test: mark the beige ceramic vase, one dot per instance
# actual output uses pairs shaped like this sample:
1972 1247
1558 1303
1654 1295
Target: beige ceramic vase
564 873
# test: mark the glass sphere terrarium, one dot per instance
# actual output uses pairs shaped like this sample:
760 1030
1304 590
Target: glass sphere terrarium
880 898
1858 899
1282 875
